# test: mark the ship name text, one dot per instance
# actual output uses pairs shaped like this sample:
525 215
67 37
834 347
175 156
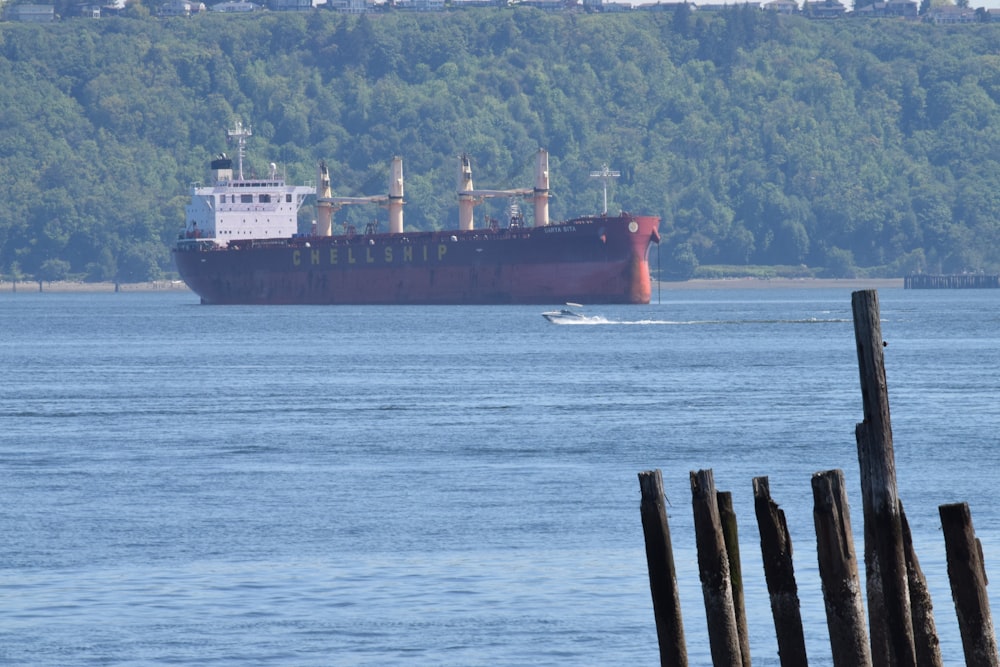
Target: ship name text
362 255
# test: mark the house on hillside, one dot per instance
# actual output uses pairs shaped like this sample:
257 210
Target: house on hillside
290 5
351 6
782 6
236 7
906 9
951 14
828 9
468 4
180 8
607 7
420 5
86 11
30 13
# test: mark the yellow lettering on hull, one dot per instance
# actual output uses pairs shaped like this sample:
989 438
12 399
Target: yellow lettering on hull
371 255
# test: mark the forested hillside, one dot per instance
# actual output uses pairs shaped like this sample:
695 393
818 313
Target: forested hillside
848 147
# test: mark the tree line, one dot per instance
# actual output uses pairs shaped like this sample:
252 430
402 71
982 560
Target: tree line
838 149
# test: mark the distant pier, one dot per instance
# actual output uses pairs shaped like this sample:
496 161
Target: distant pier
954 281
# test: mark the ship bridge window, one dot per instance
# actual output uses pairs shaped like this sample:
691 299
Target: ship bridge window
265 199
246 199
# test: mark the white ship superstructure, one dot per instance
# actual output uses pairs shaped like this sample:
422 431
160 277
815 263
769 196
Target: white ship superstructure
234 207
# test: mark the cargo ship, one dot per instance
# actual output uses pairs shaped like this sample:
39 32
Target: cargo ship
241 245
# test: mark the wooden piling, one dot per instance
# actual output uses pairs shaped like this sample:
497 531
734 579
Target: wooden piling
662 574
713 568
730 534
878 477
925 638
967 573
776 551
838 569
878 633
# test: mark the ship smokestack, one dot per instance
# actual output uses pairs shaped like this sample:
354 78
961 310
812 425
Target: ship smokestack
222 169
324 209
542 188
396 197
466 202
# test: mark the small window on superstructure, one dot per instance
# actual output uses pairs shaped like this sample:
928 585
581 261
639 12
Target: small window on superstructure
288 199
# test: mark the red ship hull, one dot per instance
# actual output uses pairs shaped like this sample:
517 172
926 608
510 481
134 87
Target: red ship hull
587 260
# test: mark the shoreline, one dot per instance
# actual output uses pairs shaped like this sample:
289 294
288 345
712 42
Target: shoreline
8 287
63 286
784 283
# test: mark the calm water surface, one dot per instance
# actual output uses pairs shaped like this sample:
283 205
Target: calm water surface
446 486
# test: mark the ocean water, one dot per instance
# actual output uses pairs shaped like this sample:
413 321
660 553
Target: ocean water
197 485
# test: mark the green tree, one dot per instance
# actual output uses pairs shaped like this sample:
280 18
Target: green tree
52 270
840 263
682 265
104 269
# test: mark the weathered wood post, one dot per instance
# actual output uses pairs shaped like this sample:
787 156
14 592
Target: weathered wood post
838 568
967 573
878 632
731 536
662 574
925 639
878 482
776 550
713 567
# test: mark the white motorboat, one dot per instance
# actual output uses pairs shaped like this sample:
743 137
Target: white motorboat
565 315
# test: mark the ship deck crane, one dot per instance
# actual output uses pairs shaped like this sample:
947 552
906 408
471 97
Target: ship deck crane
469 197
327 204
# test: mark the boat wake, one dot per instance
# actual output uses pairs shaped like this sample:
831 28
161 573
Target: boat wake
592 320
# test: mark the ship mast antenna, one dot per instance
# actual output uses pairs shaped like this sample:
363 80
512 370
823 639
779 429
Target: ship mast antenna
240 133
604 175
